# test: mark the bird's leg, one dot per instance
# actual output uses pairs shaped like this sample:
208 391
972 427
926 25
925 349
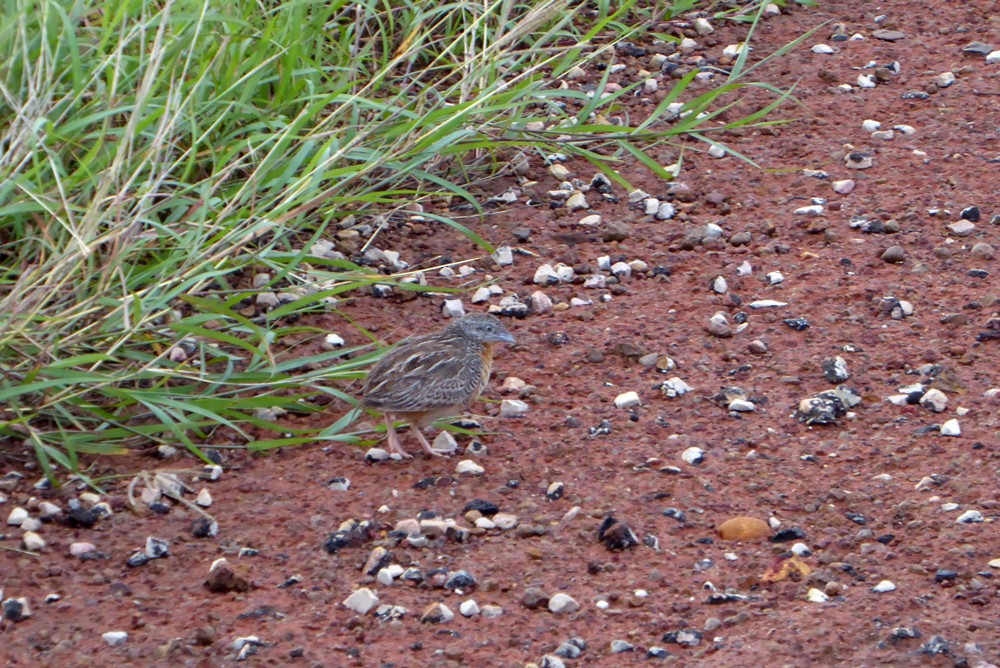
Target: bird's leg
424 442
394 438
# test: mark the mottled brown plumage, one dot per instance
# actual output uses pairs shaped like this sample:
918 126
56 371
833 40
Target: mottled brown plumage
426 378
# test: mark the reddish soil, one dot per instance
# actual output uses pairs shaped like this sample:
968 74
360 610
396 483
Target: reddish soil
855 489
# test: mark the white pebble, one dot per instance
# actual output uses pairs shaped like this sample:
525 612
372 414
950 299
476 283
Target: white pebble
884 586
934 400
469 467
969 517
481 295
675 387
945 79
951 428
904 129
742 406
844 187
444 443
593 220
817 596
870 125
811 210
17 516
717 151
204 498
32 541
540 302
361 601
719 285
545 275
511 408
79 549
453 308
469 608
627 400
744 269
993 57
703 27
561 602
503 256
775 277
822 49
665 211
115 638
621 270
884 135
576 201
332 341
693 455
505 521
866 81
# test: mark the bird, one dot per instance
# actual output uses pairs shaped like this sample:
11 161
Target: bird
433 376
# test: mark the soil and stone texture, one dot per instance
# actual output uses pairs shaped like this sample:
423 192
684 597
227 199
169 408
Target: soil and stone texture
582 525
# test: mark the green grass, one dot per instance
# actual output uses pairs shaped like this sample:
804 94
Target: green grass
155 155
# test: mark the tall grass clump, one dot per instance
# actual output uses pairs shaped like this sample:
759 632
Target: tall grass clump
152 153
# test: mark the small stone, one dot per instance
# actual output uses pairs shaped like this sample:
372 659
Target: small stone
621 646
559 171
816 596
962 228
951 428
267 300
889 35
843 187
822 49
945 79
16 609
811 210
993 57
468 608
576 201
561 603
616 536
744 528
80 549
32 541
934 400
469 467
858 161
17 516
884 586
894 255
361 601
870 125
437 613
503 256
627 400
983 251
835 369
693 455
224 577
156 548
453 308
545 275
376 455
969 517
512 408
115 638
616 231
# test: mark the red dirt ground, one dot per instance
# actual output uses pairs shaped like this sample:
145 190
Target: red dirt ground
860 490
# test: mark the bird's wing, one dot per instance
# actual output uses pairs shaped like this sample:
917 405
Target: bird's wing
418 378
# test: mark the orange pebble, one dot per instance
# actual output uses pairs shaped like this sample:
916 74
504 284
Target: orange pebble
743 528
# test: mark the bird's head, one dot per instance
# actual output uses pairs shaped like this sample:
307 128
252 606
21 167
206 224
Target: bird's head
483 328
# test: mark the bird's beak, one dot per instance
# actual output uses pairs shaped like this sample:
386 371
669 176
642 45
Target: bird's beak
506 337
